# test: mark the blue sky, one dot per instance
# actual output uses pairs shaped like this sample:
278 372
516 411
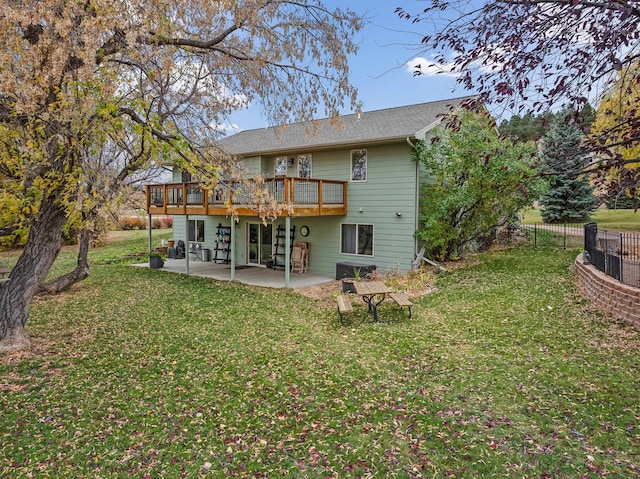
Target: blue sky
379 70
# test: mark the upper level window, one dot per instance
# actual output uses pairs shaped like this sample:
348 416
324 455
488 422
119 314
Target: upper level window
356 239
280 166
186 177
358 165
304 166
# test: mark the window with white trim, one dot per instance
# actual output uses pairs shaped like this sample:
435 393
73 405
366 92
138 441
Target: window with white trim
358 165
196 231
356 238
304 166
280 166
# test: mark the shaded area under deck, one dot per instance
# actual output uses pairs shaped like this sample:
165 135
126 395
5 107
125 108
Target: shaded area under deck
251 275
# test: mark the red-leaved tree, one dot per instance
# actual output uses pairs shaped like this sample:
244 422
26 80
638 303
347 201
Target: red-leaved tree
538 55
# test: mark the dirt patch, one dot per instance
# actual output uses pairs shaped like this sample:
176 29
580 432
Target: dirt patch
39 348
325 293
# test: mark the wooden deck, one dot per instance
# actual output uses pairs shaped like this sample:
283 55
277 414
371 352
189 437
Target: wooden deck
307 197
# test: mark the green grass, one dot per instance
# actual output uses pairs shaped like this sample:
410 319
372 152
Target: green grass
621 220
505 371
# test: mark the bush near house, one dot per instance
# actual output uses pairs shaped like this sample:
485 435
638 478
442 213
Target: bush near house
478 182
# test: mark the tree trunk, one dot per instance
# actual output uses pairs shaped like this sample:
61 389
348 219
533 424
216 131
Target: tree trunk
80 272
41 250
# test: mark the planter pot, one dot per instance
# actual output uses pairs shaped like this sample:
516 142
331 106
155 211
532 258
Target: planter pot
155 262
171 243
347 286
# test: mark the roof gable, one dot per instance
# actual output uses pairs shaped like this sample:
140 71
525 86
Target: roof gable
379 126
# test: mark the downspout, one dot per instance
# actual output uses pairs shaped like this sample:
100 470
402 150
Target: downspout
410 144
416 206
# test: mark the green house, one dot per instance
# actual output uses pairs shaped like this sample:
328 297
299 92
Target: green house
353 194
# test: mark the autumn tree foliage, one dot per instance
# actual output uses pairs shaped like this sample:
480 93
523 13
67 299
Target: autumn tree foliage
154 78
614 120
539 55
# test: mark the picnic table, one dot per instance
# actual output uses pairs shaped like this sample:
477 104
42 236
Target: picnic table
373 293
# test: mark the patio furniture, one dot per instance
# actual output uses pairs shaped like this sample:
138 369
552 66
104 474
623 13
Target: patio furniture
344 306
402 301
300 257
373 293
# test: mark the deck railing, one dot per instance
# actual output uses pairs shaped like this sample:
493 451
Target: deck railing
307 196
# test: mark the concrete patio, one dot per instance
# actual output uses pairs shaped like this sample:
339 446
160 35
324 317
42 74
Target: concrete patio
253 275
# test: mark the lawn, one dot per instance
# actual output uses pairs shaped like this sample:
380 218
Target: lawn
620 220
504 371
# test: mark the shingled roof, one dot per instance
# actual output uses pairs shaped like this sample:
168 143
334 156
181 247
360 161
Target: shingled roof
379 126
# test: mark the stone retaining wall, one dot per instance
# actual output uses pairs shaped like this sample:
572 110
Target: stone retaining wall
609 295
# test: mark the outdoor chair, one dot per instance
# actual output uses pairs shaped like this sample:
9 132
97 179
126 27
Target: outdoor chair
299 258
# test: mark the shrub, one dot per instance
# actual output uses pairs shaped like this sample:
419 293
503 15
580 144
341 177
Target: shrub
168 221
156 223
133 223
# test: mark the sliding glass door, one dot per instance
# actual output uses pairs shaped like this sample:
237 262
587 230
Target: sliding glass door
259 243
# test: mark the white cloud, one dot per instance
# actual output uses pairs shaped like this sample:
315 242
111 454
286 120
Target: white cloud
428 68
226 128
489 60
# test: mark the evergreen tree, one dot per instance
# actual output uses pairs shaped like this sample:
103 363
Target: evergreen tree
570 197
532 127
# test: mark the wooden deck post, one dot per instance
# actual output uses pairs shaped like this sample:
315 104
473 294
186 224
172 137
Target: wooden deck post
232 249
164 198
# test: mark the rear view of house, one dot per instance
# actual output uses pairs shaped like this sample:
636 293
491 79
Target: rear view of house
353 194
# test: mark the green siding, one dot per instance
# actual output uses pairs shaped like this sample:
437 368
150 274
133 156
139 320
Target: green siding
253 166
210 229
391 186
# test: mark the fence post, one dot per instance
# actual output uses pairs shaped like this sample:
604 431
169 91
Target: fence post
564 237
535 234
621 258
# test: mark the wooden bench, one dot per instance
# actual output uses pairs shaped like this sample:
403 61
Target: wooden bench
402 301
344 305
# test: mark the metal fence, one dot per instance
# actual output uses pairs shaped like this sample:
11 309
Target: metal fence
569 235
615 253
